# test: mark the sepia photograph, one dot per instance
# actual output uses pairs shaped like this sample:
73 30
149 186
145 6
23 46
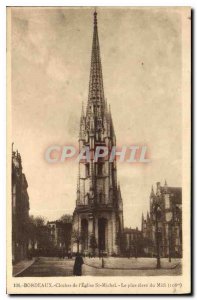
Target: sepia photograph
98 150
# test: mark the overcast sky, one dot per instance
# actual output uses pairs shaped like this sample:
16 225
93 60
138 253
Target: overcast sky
141 60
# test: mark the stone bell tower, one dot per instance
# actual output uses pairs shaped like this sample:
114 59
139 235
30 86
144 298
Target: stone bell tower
98 216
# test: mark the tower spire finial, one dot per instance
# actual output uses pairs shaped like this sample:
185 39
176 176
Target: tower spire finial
96 99
95 17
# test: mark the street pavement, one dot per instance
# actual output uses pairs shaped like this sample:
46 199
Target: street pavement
142 263
49 266
53 266
87 270
143 266
21 266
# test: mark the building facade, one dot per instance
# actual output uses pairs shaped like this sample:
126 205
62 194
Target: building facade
60 234
98 216
20 210
169 222
133 242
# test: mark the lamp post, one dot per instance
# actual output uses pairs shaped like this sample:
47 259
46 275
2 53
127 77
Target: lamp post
129 245
136 247
157 213
102 259
179 222
169 222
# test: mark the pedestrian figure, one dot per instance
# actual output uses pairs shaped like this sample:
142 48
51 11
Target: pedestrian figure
77 270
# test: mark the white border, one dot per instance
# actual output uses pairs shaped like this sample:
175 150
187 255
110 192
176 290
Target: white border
98 3
3 4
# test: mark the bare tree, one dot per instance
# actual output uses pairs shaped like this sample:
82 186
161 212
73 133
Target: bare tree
66 218
78 238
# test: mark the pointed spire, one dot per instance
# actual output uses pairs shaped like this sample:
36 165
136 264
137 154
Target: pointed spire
112 131
106 107
96 92
165 186
82 124
82 114
152 192
95 17
119 191
82 110
78 186
142 222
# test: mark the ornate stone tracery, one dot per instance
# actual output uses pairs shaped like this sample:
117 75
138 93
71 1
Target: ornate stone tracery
99 198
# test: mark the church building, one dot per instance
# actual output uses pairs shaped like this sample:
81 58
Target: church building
169 200
98 215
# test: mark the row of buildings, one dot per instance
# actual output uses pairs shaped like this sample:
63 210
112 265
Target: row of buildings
29 234
20 210
58 234
50 239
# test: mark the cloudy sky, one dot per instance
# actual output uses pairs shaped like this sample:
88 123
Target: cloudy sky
141 60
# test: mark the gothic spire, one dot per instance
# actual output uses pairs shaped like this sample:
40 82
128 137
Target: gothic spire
96 92
152 192
119 191
112 132
142 221
165 186
82 124
78 186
